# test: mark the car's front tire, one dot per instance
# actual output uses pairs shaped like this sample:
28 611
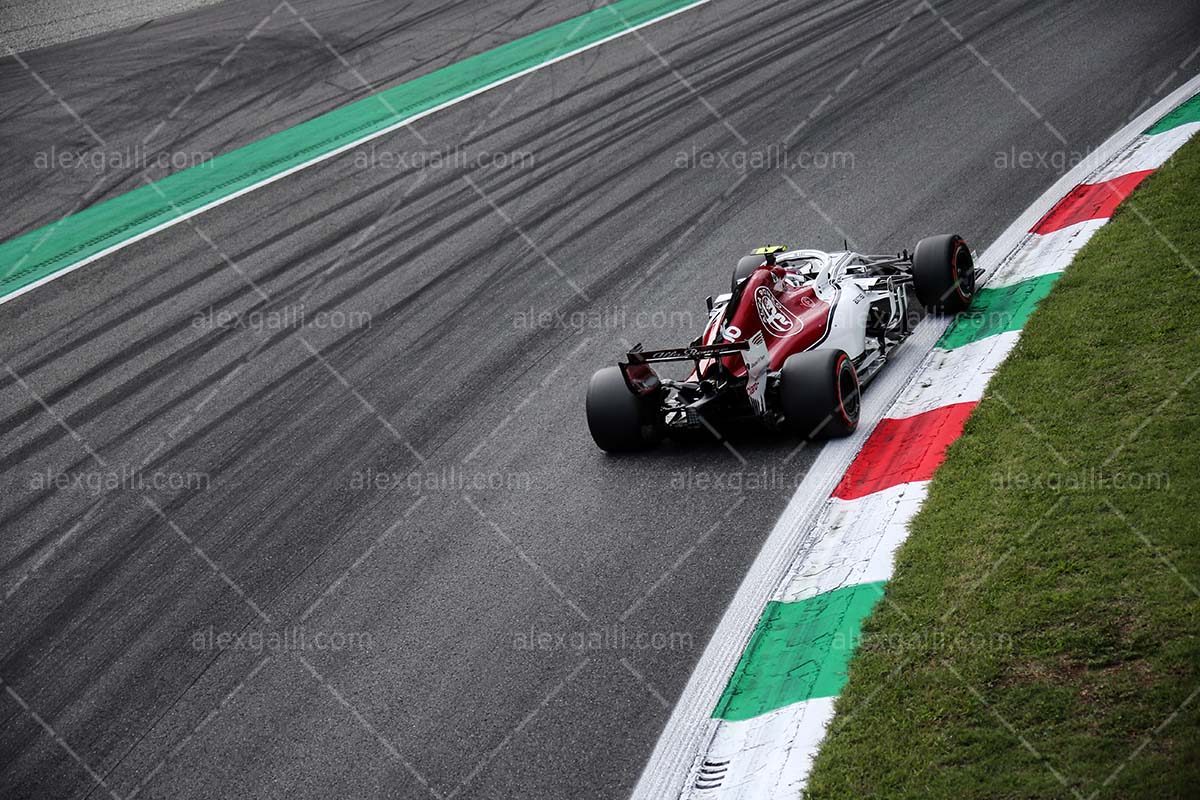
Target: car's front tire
944 274
619 420
819 394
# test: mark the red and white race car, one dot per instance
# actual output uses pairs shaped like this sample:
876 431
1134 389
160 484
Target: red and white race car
790 346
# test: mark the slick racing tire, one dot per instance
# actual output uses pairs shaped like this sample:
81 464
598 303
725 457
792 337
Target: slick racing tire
619 420
944 274
819 394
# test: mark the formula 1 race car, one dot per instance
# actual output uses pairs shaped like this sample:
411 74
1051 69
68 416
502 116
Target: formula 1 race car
790 346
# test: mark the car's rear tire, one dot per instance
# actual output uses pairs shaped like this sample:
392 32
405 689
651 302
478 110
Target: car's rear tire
944 274
619 420
819 394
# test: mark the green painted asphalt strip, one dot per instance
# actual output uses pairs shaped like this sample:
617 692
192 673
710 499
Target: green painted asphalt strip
1187 113
798 651
36 256
998 310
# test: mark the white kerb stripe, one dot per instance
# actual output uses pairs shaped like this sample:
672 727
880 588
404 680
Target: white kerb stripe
769 755
1150 152
857 542
1045 253
959 375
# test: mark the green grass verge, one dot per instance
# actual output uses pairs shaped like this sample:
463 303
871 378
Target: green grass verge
1040 636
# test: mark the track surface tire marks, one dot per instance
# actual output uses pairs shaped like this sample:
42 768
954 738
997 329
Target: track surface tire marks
188 87
99 640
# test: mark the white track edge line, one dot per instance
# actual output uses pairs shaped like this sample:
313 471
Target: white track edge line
338 151
689 729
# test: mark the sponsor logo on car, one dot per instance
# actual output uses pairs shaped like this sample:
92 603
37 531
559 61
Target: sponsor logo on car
758 361
775 318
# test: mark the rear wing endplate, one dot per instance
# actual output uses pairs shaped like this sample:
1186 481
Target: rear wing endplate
643 380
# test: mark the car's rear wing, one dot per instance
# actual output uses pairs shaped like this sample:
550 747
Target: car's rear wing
696 353
643 380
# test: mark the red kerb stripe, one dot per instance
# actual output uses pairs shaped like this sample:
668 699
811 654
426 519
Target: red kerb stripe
1090 201
903 450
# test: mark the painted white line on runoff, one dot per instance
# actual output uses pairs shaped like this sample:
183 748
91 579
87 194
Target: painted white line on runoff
342 149
690 731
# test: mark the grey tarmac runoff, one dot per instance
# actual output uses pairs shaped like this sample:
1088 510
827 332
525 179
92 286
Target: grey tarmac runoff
298 495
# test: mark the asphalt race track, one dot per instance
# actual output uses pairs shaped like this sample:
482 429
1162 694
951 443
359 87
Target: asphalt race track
355 396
